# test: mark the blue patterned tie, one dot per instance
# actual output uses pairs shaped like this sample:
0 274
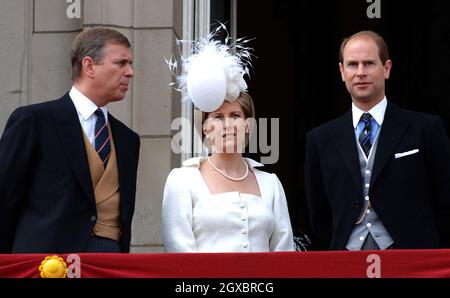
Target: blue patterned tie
366 133
102 139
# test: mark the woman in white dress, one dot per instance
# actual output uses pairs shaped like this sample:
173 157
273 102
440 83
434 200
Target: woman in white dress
223 203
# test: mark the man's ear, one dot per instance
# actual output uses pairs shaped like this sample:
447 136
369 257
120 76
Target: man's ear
341 69
387 69
88 67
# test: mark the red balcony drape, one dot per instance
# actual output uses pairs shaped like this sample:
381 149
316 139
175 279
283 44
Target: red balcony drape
332 264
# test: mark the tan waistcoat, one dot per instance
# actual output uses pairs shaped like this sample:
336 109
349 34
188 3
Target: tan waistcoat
106 191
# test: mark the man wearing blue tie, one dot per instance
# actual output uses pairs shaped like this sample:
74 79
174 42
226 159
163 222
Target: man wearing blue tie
67 167
378 177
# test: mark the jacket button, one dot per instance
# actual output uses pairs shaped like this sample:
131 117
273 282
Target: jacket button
93 218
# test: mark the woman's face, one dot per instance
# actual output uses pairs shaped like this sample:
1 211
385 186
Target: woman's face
226 128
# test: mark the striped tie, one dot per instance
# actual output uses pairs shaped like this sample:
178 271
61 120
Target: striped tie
102 139
366 133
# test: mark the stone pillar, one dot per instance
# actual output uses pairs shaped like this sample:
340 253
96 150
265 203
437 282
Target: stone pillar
155 105
15 31
51 44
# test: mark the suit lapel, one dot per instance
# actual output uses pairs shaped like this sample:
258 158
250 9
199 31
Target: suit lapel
122 151
343 137
394 126
69 132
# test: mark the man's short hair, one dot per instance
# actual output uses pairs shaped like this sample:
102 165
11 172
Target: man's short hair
91 43
383 51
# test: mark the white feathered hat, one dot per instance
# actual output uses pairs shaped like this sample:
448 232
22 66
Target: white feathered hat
214 72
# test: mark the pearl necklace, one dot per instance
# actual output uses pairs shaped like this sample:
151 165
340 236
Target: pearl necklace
228 177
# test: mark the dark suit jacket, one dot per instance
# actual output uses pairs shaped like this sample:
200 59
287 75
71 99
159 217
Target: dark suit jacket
410 195
46 195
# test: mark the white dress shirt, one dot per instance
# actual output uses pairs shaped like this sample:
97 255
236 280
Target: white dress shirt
377 113
85 109
194 220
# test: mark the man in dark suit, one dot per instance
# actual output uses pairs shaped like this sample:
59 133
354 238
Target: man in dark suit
67 167
378 177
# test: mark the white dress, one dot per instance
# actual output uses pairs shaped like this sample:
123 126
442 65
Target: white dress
194 220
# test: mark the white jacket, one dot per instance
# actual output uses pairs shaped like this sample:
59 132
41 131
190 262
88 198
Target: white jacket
194 220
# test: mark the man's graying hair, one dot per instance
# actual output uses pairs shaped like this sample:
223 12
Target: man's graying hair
91 43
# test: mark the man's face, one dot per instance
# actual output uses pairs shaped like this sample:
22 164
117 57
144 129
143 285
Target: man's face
113 73
362 70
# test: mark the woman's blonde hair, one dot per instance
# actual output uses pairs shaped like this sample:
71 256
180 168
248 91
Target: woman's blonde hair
245 101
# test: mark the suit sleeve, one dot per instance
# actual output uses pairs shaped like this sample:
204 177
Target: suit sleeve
17 146
282 238
318 206
438 164
177 219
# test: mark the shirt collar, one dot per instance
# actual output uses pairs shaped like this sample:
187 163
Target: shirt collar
84 105
377 112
